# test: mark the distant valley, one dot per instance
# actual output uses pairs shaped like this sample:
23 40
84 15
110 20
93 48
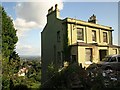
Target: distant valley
29 58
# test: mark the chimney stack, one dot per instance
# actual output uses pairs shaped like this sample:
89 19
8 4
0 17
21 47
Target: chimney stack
50 10
93 19
53 13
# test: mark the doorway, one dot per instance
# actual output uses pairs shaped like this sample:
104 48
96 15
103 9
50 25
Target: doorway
74 58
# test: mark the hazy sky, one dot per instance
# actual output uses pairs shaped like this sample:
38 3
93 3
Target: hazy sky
30 18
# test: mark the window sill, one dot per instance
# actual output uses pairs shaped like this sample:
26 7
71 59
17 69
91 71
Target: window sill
80 41
88 62
94 42
105 43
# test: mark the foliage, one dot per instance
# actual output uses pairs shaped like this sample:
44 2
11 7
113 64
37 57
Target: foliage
66 47
76 77
10 59
65 78
11 63
9 37
20 87
8 70
33 78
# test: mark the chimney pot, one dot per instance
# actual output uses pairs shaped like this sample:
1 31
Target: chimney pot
56 6
51 9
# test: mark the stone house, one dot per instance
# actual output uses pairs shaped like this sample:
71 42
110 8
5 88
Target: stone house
74 40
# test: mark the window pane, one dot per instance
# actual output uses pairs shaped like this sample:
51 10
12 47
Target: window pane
113 59
93 35
104 37
118 59
88 54
80 35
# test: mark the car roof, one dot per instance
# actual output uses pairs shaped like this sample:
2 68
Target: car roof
113 55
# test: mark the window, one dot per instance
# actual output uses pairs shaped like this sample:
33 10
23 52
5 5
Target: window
94 35
105 37
58 36
80 34
118 59
113 59
88 54
73 58
114 51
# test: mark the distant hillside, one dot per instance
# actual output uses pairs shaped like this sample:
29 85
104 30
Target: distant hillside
26 58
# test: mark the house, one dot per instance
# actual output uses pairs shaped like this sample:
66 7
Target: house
74 40
22 72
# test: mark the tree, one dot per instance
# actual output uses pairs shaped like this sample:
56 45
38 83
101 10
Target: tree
9 37
10 59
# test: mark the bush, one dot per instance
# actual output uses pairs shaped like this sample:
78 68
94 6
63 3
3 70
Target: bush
73 76
76 77
20 87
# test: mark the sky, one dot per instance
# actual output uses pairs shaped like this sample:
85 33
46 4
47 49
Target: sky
29 19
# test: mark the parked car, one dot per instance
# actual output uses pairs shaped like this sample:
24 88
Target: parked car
111 62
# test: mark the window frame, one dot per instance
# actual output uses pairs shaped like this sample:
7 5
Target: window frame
105 37
94 31
80 34
115 50
91 53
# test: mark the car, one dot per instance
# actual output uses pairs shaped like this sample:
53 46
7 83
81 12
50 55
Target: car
110 62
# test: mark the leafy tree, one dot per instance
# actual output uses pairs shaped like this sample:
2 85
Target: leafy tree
10 59
9 37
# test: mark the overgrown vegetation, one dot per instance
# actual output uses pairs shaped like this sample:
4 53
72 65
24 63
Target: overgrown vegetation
66 46
76 77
